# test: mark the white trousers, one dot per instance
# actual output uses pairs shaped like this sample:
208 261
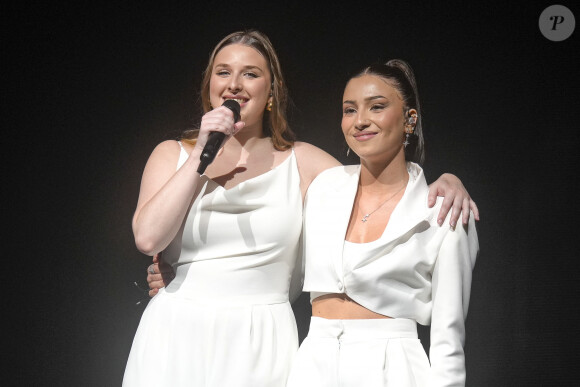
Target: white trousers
374 352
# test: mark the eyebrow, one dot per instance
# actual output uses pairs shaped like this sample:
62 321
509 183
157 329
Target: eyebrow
245 67
367 99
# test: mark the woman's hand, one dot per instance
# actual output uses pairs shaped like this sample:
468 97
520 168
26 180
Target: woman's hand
456 198
159 274
220 119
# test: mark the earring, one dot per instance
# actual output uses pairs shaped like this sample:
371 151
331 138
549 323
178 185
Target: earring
410 127
347 151
269 106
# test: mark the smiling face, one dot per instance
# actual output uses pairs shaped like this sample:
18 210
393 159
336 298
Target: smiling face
240 72
373 119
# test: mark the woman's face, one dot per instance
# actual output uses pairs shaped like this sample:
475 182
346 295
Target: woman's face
373 119
240 72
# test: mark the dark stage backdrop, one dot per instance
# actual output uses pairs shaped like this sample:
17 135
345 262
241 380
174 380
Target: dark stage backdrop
89 90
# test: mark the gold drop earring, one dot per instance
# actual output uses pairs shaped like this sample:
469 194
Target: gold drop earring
269 104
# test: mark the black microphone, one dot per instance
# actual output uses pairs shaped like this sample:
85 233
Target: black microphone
215 139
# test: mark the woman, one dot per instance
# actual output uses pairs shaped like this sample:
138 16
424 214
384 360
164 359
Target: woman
376 262
226 318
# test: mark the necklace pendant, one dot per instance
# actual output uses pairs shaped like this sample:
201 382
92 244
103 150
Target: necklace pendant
364 219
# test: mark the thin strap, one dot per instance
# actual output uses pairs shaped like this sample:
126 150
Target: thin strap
182 155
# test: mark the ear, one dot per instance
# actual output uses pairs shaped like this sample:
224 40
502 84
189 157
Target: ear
410 122
412 117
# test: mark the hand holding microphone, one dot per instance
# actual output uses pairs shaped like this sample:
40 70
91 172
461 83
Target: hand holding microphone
215 139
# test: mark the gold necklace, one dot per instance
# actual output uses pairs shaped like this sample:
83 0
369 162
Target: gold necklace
365 218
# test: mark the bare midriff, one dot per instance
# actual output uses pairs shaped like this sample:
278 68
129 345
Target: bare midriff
339 306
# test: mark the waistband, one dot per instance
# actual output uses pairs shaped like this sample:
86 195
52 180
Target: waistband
388 328
218 283
224 300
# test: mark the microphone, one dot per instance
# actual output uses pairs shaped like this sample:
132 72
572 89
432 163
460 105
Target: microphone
215 139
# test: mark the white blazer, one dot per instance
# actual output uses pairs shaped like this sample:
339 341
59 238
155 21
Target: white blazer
416 269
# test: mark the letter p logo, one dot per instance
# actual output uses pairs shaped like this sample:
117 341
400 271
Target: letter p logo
557 23
557 20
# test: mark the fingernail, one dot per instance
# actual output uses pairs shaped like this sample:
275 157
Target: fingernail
439 222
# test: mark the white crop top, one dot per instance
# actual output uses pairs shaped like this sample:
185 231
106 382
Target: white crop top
352 255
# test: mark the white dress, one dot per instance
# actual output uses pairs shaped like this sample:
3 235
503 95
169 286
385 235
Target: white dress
226 319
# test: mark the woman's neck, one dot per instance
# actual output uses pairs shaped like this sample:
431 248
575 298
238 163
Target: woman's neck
249 145
247 138
377 177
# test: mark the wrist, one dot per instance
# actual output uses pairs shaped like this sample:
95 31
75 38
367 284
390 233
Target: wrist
193 161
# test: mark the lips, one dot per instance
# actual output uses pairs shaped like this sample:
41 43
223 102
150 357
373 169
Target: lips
364 136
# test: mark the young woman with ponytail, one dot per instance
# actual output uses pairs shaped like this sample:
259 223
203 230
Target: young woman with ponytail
376 261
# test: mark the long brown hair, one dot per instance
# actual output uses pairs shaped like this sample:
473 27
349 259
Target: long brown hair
275 123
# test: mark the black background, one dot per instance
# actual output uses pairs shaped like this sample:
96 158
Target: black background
89 90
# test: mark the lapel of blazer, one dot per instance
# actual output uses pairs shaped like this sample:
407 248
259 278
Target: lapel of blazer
412 208
410 211
340 202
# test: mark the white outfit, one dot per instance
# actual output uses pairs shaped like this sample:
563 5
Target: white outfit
416 271
226 319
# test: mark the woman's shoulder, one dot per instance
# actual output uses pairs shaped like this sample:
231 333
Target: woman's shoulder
174 146
168 146
167 151
312 160
301 147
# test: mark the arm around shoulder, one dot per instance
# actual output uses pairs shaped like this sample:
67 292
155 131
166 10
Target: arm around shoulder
311 162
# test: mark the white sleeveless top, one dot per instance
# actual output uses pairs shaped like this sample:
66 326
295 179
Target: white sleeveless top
239 245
